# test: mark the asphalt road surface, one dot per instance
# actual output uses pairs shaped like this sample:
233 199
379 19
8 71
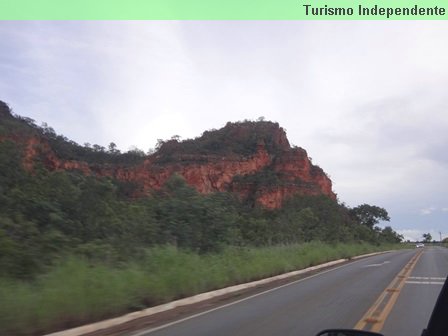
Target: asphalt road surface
392 293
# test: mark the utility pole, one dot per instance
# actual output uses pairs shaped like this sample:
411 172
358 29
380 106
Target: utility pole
440 234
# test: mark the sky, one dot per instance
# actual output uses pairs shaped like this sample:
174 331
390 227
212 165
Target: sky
368 100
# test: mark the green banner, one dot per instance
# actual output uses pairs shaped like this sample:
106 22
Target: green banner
223 10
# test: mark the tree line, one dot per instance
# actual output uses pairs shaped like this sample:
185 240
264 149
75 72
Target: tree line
47 215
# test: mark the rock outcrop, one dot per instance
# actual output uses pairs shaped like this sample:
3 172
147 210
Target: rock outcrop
252 159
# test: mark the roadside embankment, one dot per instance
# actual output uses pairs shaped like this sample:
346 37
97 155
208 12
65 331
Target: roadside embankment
76 292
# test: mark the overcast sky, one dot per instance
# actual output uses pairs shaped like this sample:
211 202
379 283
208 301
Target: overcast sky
367 100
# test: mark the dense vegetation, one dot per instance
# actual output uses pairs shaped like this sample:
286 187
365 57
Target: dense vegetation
46 215
77 291
65 148
241 138
54 224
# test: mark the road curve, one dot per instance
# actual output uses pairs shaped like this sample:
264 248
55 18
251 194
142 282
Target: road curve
336 298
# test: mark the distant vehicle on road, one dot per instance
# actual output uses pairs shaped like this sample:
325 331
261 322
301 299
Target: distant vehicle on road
419 245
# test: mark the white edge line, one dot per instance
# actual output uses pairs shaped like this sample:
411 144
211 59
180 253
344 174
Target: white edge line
89 328
151 330
424 282
426 278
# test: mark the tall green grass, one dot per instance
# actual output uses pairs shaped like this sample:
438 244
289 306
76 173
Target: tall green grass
75 292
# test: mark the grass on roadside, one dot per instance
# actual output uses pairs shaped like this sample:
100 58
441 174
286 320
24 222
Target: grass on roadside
76 292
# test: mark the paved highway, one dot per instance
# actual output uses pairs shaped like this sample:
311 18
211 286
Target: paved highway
392 293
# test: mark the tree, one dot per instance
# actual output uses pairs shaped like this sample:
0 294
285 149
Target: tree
369 215
427 238
98 148
159 144
113 148
136 151
388 235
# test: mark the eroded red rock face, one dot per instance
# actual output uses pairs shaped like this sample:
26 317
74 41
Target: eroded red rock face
297 175
293 171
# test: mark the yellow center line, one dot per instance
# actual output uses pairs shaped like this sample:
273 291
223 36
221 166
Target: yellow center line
375 317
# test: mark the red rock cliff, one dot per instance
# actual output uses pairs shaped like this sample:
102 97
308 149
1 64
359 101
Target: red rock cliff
252 159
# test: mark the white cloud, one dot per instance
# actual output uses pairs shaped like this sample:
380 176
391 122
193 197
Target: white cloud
411 234
417 235
367 100
427 211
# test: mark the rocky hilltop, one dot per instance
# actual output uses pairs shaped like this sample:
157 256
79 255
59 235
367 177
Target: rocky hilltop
252 159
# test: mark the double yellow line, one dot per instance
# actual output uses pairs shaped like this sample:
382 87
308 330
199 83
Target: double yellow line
374 318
